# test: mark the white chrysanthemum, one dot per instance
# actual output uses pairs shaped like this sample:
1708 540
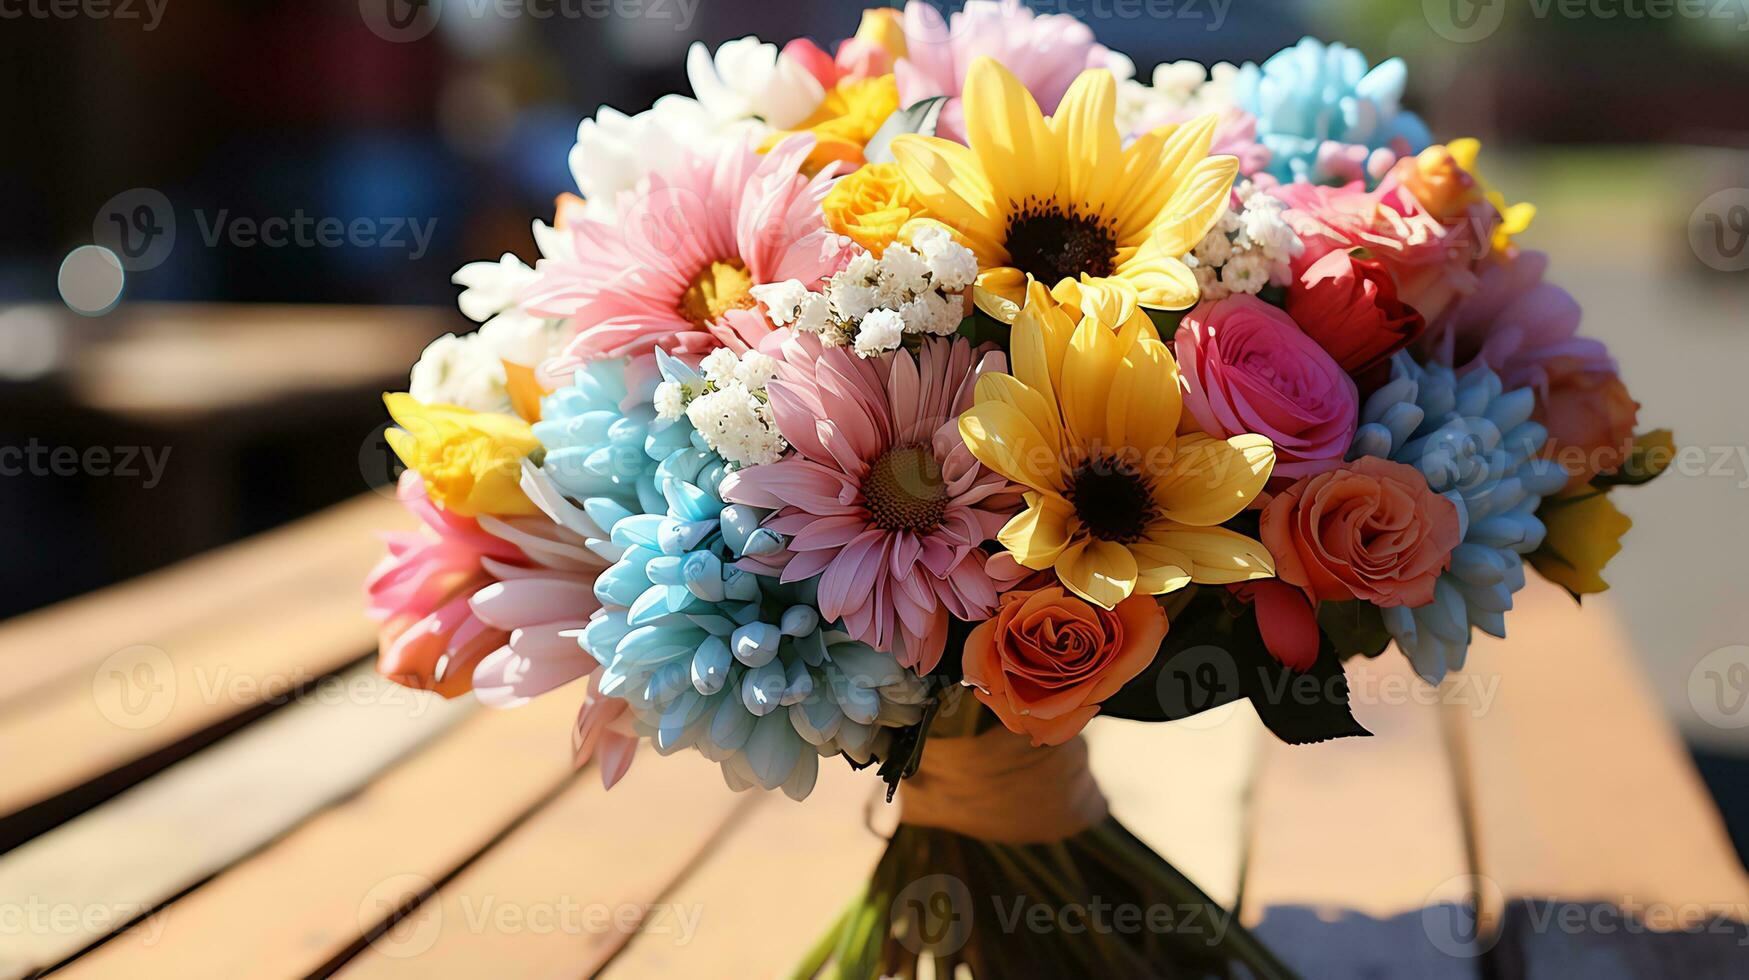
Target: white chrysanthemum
756 369
614 150
904 271
749 79
783 300
468 370
880 331
953 265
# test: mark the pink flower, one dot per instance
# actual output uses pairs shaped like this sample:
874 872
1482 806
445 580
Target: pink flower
676 268
1044 51
490 605
1247 367
1432 263
419 594
1235 136
1350 307
1515 323
882 499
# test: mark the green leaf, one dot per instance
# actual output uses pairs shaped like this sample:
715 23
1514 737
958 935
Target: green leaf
1651 455
919 117
1354 628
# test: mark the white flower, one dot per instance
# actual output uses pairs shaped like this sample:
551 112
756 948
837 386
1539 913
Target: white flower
670 401
880 331
815 314
614 150
853 301
720 366
756 369
490 288
748 78
1209 283
1247 272
783 300
905 271
736 425
1214 249
468 370
953 265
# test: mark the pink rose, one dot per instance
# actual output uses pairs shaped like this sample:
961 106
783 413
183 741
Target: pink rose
1247 367
1350 307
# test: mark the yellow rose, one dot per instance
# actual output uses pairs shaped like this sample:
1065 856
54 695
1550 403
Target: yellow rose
1514 218
847 119
1583 533
471 461
1440 183
871 206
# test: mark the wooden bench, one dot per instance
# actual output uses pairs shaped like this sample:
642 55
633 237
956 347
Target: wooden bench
203 778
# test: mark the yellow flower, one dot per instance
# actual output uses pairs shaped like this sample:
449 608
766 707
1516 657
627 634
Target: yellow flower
882 28
870 206
1583 533
847 119
471 461
1063 198
1117 501
1514 218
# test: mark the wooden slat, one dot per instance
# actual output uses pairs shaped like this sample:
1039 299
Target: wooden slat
774 883
227 662
414 826
74 636
1582 791
560 895
1357 866
1183 788
97 872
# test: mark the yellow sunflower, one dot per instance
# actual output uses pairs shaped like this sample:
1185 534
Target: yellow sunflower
1062 198
1118 501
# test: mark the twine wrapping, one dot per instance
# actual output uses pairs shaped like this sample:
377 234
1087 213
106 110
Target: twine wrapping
998 787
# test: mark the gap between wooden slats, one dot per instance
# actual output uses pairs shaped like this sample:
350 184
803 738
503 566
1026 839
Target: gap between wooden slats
308 898
563 892
101 870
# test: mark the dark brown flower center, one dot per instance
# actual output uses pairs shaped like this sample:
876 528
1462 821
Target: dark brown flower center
1113 500
904 490
1053 246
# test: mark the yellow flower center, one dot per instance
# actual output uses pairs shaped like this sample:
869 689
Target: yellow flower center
904 490
718 288
1113 499
1052 246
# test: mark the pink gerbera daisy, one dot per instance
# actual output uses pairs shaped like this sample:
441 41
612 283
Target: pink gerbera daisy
676 266
882 499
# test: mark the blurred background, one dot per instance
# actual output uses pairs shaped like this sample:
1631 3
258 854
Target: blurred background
1626 122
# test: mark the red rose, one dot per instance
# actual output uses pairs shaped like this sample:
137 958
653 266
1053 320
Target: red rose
1349 306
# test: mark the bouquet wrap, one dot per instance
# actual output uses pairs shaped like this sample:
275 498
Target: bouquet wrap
996 786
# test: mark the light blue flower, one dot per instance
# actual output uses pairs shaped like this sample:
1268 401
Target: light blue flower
1312 92
734 664
1476 445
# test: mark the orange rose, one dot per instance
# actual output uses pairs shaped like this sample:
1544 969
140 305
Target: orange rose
1590 417
870 206
1049 658
1370 530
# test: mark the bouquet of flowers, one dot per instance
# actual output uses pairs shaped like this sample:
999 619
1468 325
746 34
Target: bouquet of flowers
907 403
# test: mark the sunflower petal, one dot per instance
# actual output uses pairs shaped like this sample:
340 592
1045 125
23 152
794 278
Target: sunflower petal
952 185
1163 282
1038 340
1003 438
1160 569
1210 480
1102 572
1156 168
1088 145
1035 405
1008 134
1088 366
1145 403
1195 206
1037 535
1219 556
